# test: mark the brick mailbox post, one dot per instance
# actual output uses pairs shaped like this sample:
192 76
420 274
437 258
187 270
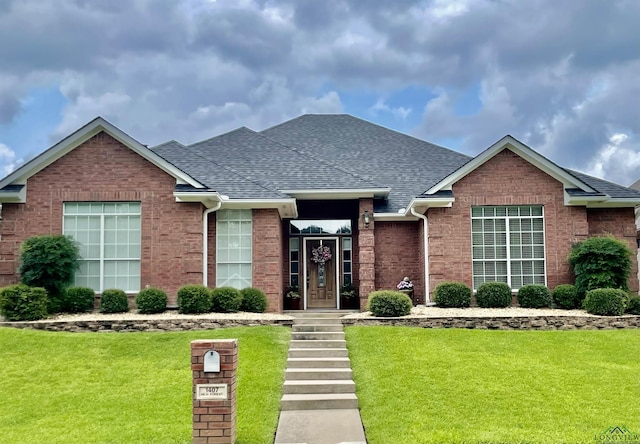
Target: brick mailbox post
214 364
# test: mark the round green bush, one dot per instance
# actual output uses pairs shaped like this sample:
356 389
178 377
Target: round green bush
606 301
566 296
23 303
225 300
78 299
494 295
452 295
194 299
389 303
114 300
534 296
634 305
151 300
253 300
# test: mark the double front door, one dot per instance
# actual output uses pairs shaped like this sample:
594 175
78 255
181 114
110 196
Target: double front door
321 272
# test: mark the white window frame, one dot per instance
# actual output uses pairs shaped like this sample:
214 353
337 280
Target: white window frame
91 210
241 243
509 259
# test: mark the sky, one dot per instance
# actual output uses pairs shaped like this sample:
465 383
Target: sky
562 77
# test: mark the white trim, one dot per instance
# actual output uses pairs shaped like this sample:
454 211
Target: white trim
337 272
394 217
286 207
519 148
205 242
338 193
80 136
425 235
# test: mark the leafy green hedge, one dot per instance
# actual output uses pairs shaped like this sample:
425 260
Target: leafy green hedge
194 299
78 299
452 294
389 303
634 305
606 301
253 300
23 303
225 300
566 296
494 295
534 296
114 300
151 300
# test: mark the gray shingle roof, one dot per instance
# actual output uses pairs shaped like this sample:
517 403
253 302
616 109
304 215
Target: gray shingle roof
327 152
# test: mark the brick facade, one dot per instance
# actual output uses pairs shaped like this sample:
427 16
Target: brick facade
507 179
268 256
103 169
398 254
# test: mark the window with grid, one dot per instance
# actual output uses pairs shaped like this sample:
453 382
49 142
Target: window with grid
508 245
294 261
347 261
108 235
233 248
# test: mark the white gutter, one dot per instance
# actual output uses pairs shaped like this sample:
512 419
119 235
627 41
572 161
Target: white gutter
425 235
205 242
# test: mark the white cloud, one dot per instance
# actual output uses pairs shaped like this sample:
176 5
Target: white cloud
619 160
399 112
8 159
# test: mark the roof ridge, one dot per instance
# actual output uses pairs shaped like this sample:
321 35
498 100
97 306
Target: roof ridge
240 128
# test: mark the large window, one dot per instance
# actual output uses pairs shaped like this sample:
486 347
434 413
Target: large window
508 245
233 248
108 234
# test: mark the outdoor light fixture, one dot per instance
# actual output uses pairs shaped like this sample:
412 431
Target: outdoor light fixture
366 218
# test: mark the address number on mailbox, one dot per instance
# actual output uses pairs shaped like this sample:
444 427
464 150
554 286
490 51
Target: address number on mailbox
212 391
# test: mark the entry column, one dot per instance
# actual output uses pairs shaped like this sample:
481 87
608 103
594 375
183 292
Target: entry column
367 254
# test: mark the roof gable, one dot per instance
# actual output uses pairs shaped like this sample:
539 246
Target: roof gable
77 138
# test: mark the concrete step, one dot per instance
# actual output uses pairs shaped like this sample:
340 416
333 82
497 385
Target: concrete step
298 328
318 343
317 321
317 373
314 335
315 362
320 314
318 352
319 401
302 386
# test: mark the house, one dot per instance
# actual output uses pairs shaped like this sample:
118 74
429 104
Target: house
318 201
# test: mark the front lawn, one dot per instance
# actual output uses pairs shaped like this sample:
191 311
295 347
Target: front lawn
479 386
128 387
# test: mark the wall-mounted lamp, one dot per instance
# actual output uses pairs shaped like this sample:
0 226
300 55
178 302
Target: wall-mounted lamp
366 218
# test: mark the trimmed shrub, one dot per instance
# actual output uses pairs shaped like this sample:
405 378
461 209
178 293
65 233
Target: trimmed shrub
114 301
634 305
225 300
23 303
389 303
565 296
49 261
78 299
194 299
452 294
600 262
606 301
253 300
534 296
151 300
494 295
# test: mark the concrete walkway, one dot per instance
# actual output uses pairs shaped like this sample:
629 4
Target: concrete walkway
319 404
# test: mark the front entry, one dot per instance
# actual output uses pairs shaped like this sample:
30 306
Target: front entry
321 272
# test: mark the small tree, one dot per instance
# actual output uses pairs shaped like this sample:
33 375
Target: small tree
600 262
49 261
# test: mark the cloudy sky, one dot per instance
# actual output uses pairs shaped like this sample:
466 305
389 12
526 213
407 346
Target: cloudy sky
561 76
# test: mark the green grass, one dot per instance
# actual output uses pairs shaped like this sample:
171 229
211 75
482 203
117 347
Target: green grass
478 386
128 387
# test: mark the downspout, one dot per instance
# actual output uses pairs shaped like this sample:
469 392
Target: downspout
425 236
205 242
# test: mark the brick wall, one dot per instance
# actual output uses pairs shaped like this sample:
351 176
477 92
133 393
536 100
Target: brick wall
366 253
619 222
506 179
268 256
398 254
103 169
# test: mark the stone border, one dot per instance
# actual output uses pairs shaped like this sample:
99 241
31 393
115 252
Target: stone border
506 323
138 325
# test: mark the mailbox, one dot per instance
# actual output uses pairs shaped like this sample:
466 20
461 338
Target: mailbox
212 361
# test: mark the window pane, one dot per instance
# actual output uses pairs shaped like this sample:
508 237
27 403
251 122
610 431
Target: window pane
234 248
